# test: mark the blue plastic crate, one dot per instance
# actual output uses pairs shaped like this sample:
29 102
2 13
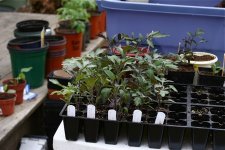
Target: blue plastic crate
175 20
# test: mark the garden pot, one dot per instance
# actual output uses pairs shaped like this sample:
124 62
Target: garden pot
94 20
102 22
56 52
175 137
19 34
111 131
25 43
18 87
134 133
204 62
87 32
15 4
155 135
32 25
6 8
61 76
51 96
34 58
7 103
74 42
71 125
184 75
207 78
91 130
199 138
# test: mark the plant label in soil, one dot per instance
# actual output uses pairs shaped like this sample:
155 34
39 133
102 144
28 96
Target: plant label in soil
137 114
160 118
91 111
111 114
71 111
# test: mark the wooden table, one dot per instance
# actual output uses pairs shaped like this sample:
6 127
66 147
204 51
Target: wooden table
10 125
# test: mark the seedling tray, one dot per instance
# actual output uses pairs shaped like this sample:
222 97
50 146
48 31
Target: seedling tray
197 108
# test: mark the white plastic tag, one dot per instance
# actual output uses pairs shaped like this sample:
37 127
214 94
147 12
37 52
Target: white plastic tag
71 111
111 114
91 111
160 118
137 114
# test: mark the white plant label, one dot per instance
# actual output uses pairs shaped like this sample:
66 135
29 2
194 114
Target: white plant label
91 111
111 114
137 114
71 111
160 118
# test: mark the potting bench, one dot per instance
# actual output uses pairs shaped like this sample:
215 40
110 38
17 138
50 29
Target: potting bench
26 117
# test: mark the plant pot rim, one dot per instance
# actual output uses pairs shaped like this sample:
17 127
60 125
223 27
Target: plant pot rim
206 64
65 31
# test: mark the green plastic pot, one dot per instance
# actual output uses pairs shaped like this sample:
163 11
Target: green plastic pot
16 4
35 58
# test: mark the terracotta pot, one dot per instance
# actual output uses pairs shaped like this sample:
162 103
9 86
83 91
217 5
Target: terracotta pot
51 96
94 20
74 42
102 22
56 52
7 103
17 87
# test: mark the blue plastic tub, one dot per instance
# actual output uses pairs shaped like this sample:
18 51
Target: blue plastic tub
175 20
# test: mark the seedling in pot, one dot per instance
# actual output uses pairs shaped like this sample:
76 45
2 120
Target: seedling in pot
15 81
190 43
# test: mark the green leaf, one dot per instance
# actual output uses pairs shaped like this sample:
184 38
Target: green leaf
26 69
110 74
137 101
105 93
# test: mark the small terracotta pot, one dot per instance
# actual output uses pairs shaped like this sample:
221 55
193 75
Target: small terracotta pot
74 42
7 103
17 87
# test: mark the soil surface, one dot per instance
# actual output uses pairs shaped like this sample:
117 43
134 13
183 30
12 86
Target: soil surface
5 96
185 68
202 58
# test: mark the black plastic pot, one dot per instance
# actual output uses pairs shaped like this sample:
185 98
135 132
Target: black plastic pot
111 131
155 135
61 80
210 80
181 77
134 133
91 130
71 125
32 25
175 137
199 138
24 43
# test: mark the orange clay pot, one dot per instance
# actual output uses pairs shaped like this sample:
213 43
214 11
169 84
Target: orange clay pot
18 87
102 22
73 42
56 52
7 103
53 96
95 27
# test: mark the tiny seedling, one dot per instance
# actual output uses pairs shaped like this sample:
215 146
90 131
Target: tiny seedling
21 76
